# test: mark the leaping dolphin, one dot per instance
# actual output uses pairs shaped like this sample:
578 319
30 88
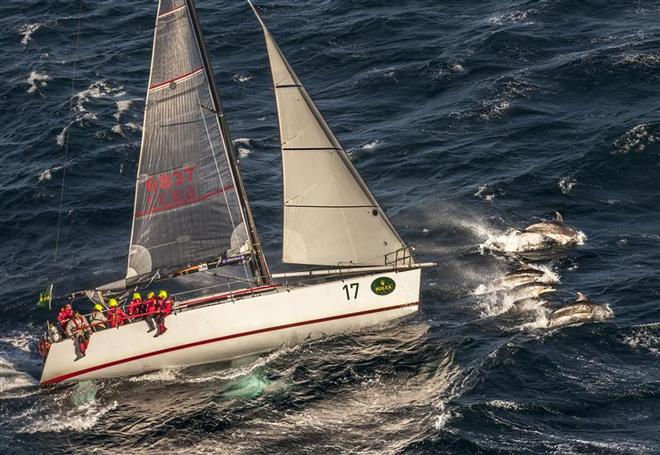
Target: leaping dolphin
556 230
529 291
579 310
523 276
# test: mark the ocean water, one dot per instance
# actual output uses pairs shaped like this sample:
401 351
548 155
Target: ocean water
466 119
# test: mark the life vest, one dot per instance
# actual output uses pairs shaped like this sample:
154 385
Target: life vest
79 324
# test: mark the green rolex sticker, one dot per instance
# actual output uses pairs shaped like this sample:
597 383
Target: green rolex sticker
383 285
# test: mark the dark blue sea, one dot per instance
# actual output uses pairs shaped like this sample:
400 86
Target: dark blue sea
466 119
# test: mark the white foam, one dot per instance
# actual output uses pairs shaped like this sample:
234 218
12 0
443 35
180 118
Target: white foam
635 139
156 376
515 241
373 145
645 338
244 151
26 31
73 418
117 129
122 107
241 78
504 404
242 140
514 17
566 184
98 89
486 193
48 174
60 138
36 81
133 126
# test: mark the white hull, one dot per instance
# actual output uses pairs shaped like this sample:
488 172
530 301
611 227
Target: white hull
238 328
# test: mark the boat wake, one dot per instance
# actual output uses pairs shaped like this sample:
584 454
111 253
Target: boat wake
19 366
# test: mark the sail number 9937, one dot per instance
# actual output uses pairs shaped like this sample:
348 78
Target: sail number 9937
351 290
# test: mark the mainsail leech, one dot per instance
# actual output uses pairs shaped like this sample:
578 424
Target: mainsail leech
190 203
330 216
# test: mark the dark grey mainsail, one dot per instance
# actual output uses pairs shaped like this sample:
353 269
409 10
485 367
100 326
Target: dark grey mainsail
190 205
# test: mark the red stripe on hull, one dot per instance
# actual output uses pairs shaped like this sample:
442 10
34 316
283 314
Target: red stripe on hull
222 338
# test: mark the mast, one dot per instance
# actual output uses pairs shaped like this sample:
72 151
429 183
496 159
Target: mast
259 266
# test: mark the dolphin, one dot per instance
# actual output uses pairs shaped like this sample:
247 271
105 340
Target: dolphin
579 310
530 304
556 230
529 291
523 275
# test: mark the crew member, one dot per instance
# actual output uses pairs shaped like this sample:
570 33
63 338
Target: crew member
116 315
98 319
64 316
149 307
164 309
135 306
78 330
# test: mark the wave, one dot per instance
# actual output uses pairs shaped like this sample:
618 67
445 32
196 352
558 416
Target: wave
513 17
645 338
636 139
69 414
122 107
242 78
17 362
26 31
48 173
566 184
37 81
243 147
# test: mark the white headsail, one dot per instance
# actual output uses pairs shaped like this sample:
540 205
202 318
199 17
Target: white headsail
330 217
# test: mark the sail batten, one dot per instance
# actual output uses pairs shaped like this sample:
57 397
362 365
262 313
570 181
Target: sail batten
330 216
189 207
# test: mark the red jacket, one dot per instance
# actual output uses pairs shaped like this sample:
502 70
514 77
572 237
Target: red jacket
134 307
64 316
116 316
165 306
151 305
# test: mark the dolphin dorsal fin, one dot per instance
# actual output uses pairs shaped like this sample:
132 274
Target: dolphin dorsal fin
559 218
581 297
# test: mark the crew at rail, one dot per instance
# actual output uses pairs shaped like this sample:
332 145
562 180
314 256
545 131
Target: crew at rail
79 328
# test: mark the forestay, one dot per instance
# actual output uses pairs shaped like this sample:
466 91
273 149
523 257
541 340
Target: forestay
330 216
187 209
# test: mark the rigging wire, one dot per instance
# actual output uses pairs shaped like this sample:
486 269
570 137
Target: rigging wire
67 133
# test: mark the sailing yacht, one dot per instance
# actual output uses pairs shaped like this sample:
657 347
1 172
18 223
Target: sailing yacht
192 218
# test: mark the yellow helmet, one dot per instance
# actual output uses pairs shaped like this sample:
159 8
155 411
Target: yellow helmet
151 295
136 295
98 307
162 294
112 303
